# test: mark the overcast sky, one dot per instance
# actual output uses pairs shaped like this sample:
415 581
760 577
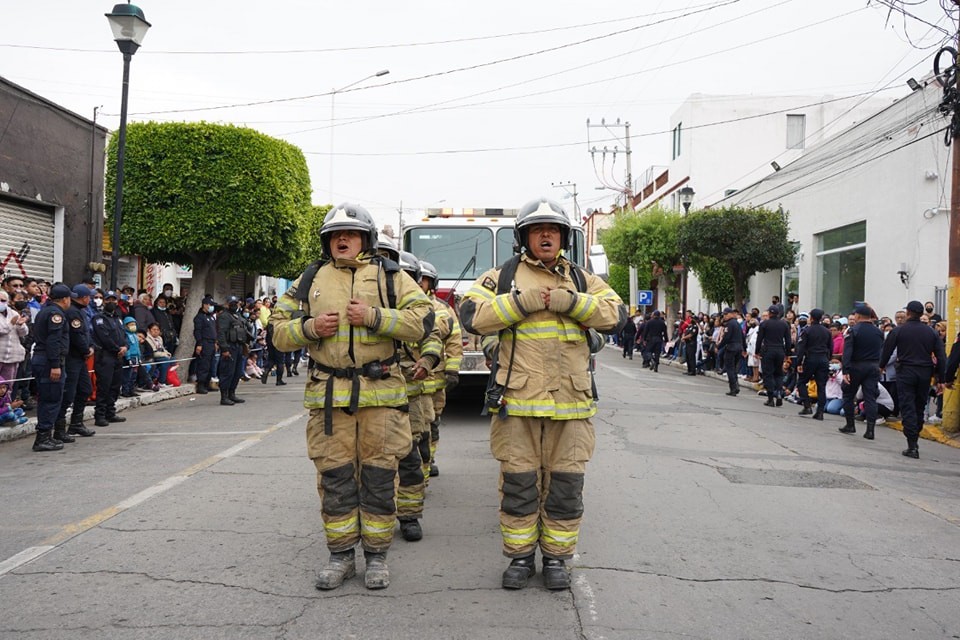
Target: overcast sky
486 103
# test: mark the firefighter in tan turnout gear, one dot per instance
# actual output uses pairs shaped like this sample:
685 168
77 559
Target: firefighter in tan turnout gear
417 359
542 399
446 375
347 313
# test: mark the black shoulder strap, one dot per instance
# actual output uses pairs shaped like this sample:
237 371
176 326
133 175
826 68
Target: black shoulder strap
306 279
391 268
507 271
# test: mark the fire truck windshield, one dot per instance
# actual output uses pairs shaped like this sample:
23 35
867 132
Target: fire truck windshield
450 248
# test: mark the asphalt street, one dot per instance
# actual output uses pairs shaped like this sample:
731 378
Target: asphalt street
706 517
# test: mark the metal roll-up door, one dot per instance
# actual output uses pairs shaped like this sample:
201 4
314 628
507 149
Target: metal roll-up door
26 240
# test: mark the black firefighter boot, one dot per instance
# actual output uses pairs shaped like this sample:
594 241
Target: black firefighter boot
868 434
342 565
410 529
45 442
806 408
519 571
225 398
849 427
555 574
60 432
377 574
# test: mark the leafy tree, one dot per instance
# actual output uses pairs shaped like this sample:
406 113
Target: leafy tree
648 240
716 281
212 197
745 241
619 280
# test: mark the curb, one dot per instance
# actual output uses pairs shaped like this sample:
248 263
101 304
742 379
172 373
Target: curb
28 428
930 431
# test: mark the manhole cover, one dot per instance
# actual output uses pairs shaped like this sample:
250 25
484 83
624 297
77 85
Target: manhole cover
803 479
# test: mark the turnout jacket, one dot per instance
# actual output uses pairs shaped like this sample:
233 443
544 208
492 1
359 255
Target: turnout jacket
431 347
333 286
548 346
452 353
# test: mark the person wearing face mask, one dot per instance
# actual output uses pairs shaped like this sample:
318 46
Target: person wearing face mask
928 309
49 353
167 331
231 336
13 328
110 347
205 337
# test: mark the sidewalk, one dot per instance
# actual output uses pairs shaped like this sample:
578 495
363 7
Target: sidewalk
932 432
28 428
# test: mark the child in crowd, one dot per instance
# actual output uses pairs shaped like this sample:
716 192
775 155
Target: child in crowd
131 361
11 411
252 370
834 389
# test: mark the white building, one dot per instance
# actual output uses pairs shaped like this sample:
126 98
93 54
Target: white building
723 144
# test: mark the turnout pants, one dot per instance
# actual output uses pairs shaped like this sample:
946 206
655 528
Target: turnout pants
771 365
913 389
108 370
439 403
818 370
866 375
76 390
356 470
410 492
542 462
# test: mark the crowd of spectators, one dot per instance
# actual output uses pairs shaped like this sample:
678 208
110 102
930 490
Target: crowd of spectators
694 339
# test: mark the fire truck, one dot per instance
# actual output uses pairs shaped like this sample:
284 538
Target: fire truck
462 244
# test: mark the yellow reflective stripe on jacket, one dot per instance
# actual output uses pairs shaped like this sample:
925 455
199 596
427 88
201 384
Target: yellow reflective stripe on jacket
479 291
342 528
313 397
584 306
524 536
293 332
507 309
560 538
374 529
548 408
414 388
453 364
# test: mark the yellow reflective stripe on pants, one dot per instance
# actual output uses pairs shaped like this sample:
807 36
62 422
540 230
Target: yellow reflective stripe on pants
560 538
375 529
525 536
339 529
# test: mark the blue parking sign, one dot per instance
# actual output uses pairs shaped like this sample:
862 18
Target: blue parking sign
645 298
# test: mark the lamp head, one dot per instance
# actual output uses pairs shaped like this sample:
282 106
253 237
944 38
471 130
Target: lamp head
128 24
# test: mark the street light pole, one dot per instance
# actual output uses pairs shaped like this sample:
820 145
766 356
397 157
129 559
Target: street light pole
129 27
333 99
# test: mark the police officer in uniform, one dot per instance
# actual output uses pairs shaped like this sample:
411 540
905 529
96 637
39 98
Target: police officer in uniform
110 345
731 343
77 387
47 363
231 336
654 335
861 368
205 337
813 363
343 313
773 343
542 399
917 345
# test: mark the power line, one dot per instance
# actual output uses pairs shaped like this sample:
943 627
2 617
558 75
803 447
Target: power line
437 74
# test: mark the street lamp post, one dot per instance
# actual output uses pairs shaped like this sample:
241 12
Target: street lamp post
333 99
686 199
129 27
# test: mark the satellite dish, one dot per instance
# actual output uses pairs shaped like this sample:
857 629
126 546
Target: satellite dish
589 211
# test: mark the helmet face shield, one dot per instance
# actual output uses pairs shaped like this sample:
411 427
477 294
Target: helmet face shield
348 217
541 211
427 270
410 264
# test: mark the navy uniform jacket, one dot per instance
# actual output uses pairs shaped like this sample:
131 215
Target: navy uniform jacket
52 339
916 345
863 343
655 330
231 330
204 328
815 341
732 336
79 334
774 333
108 333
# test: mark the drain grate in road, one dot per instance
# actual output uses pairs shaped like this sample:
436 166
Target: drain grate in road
802 479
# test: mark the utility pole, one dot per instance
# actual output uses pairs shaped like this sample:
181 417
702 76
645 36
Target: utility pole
574 194
951 400
627 190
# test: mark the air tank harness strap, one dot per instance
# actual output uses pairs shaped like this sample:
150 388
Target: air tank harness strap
376 370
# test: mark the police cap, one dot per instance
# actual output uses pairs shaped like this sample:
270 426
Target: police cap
915 306
60 291
82 291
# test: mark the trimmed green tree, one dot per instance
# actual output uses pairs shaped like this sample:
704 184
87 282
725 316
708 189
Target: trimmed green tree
745 241
212 197
715 279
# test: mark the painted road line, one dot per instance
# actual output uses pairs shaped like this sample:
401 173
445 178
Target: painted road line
76 528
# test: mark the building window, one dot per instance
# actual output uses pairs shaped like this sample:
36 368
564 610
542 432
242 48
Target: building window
796 130
841 267
676 140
